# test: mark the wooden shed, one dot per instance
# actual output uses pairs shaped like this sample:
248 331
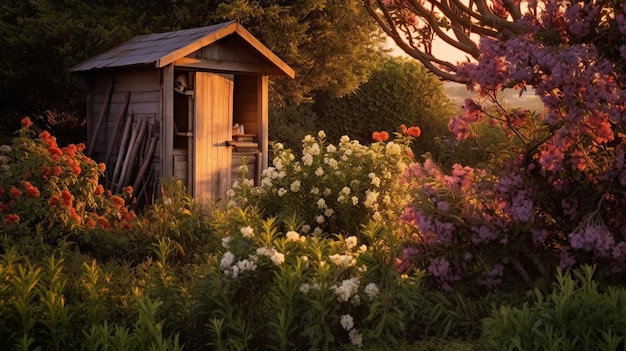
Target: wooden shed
189 104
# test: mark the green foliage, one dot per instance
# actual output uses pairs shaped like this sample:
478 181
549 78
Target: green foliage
576 315
289 124
397 92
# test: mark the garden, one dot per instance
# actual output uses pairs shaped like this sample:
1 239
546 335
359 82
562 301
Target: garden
509 233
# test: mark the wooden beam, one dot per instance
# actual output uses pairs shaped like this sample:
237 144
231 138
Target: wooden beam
263 122
167 121
225 66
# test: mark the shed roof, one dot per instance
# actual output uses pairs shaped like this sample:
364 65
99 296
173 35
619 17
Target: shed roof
161 49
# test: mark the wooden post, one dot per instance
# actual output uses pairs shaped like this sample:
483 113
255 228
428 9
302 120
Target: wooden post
103 113
167 121
116 129
121 152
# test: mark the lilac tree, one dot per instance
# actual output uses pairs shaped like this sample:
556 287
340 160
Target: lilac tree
556 192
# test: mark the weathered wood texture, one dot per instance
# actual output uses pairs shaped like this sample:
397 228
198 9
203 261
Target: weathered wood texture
213 122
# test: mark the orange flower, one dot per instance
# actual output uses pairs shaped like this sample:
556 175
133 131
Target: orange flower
80 147
403 128
54 200
67 197
31 190
99 190
128 189
56 171
104 223
44 135
45 172
11 218
102 167
117 201
15 192
380 136
90 223
414 132
26 122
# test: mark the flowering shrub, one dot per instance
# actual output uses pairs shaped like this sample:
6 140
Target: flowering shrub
332 188
287 290
54 190
554 195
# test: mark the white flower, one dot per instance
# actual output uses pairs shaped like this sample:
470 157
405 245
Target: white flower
341 260
345 191
315 190
305 228
292 236
351 242
331 148
246 265
377 217
355 200
230 193
321 203
277 257
278 163
344 139
314 149
266 182
393 148
226 242
247 232
362 248
279 146
304 288
308 139
328 212
321 134
347 322
318 231
307 159
5 149
347 288
375 180
263 251
295 186
320 219
356 338
281 174
319 172
371 290
227 260
327 191
332 163
281 192
370 198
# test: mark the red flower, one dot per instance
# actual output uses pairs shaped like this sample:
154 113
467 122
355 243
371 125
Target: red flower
26 122
117 201
99 190
11 218
32 191
45 172
380 136
403 128
102 167
104 223
80 147
70 150
4 208
90 223
128 189
67 197
414 132
54 200
56 171
15 192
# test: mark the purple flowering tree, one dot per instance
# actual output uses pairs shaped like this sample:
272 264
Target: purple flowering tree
555 194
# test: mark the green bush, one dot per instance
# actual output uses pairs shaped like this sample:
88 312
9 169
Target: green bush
576 315
398 92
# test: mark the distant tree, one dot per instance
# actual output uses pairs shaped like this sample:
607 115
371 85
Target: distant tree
329 43
399 91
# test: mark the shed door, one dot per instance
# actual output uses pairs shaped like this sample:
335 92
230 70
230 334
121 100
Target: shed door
213 130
